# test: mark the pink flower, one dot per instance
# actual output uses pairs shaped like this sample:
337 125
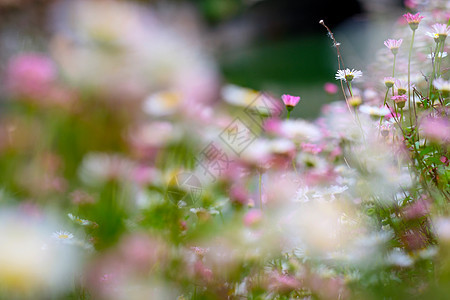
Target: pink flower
330 88
272 126
413 20
400 100
283 283
199 251
393 45
203 272
252 217
290 100
411 4
30 75
392 114
143 175
311 148
238 195
436 129
416 210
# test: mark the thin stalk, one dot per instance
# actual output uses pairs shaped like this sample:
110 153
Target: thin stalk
384 104
441 45
288 115
409 76
401 115
349 84
433 62
393 74
341 65
393 68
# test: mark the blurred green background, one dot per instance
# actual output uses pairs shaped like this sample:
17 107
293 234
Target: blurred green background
272 45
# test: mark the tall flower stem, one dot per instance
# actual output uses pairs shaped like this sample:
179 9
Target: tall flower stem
409 76
349 84
384 104
434 61
341 65
393 68
401 116
439 58
393 75
288 115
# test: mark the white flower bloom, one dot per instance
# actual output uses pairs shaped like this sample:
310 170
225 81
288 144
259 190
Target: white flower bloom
440 54
302 194
62 236
98 168
348 75
300 131
366 250
316 226
281 146
441 84
374 110
162 103
31 266
238 96
198 210
440 32
150 52
399 258
329 192
442 227
78 220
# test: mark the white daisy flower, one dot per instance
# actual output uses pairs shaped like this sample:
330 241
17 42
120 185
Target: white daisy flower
78 220
374 110
442 85
238 96
62 236
200 210
162 103
399 258
440 32
440 55
348 75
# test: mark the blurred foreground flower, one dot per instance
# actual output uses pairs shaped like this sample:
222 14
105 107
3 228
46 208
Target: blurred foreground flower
31 262
125 49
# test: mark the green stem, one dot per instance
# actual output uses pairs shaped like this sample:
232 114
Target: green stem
288 114
293 165
393 73
439 58
401 116
409 77
434 56
384 104
393 68
356 112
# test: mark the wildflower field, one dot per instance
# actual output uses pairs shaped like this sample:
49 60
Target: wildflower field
130 169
